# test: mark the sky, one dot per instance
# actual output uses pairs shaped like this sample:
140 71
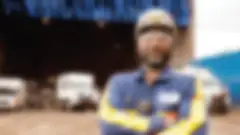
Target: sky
216 27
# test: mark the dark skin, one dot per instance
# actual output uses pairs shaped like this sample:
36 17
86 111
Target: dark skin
151 46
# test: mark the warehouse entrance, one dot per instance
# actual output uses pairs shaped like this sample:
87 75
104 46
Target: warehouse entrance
34 50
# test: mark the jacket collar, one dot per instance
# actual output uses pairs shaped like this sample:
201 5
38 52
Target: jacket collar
165 74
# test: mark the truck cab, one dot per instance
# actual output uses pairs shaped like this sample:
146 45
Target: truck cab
13 93
76 89
217 95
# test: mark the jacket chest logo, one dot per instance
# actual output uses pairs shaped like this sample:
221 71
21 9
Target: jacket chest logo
144 106
168 98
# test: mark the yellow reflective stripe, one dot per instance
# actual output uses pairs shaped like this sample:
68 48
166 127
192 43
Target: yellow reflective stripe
196 119
127 118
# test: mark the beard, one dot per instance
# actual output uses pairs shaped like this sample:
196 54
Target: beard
156 64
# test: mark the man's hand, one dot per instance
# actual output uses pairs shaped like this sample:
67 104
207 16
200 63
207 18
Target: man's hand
169 118
168 122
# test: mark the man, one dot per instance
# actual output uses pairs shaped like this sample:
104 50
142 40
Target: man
153 99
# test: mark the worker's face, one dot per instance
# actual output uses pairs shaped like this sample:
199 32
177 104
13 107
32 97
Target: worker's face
154 48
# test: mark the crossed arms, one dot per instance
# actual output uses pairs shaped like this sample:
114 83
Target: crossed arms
191 115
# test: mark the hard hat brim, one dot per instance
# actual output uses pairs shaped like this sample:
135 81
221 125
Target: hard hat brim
164 28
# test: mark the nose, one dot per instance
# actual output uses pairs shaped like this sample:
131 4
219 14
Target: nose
154 45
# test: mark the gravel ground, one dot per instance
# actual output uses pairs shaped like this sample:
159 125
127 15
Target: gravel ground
60 123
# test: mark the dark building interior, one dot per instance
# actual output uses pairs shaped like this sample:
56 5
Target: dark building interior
36 51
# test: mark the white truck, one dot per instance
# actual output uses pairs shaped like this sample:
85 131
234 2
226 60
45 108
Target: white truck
217 95
77 90
13 94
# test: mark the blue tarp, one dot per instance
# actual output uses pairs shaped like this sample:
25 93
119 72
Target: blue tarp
227 68
110 10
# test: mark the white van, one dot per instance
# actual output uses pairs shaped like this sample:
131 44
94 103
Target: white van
217 95
76 89
13 93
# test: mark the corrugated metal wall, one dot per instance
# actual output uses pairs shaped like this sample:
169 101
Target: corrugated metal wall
108 10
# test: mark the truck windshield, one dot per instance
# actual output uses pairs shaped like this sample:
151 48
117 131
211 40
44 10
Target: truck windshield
71 85
210 83
7 91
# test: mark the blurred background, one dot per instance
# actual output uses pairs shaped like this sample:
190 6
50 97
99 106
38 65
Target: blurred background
56 55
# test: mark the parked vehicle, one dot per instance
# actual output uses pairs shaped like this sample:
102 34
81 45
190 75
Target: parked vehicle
13 93
217 95
77 90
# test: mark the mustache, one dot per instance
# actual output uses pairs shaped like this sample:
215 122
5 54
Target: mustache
143 57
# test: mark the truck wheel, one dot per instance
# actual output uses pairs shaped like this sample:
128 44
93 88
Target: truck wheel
223 109
91 106
22 108
65 108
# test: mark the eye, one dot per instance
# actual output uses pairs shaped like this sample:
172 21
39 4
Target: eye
144 41
153 38
163 37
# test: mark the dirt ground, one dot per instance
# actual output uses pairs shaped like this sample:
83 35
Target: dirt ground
60 123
